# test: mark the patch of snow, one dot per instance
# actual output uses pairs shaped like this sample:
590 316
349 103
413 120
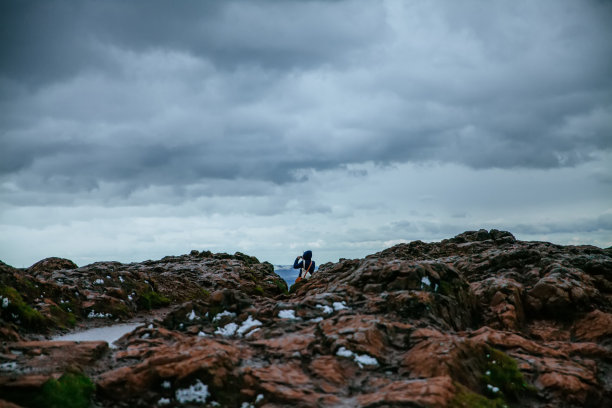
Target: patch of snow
221 315
196 393
5 302
11 366
425 281
247 405
145 336
192 315
166 385
364 359
92 314
316 319
228 330
150 326
287 314
130 297
492 388
202 334
249 334
360 359
339 305
121 279
248 324
99 282
342 352
326 309
108 277
259 398
163 401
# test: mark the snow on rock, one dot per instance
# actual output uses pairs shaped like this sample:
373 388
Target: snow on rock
11 366
425 281
247 325
364 359
326 309
92 314
360 359
192 315
163 401
249 334
99 282
202 334
221 315
339 305
287 314
196 393
228 330
492 388
232 329
5 302
342 352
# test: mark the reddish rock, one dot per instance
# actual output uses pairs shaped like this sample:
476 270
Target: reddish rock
52 264
595 326
437 354
283 383
6 404
176 362
409 326
431 392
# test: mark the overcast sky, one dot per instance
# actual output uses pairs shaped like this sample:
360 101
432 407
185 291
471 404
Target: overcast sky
135 130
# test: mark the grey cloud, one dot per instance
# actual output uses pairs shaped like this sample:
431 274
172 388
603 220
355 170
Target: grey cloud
145 94
54 40
602 222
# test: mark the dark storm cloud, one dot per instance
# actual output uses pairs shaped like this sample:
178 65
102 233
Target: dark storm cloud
52 40
153 93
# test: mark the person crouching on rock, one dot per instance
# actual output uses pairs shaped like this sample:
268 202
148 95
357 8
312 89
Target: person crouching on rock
305 264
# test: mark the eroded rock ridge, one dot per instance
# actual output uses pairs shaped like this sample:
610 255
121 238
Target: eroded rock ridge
478 320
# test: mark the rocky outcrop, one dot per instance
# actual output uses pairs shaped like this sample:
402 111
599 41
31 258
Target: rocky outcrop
480 319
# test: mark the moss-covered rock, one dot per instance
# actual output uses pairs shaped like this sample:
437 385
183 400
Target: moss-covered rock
13 308
502 377
152 300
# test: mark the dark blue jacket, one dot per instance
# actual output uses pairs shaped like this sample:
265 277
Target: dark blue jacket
298 264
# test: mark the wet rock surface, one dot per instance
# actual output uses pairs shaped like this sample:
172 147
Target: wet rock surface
480 319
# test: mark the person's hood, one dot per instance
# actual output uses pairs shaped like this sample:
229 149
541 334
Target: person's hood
307 255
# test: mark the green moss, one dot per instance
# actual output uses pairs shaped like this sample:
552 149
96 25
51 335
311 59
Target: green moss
297 285
61 317
70 391
121 310
18 310
464 398
201 294
281 285
446 288
152 300
502 372
259 290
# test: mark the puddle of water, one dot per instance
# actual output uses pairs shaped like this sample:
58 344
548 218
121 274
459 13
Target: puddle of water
109 334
